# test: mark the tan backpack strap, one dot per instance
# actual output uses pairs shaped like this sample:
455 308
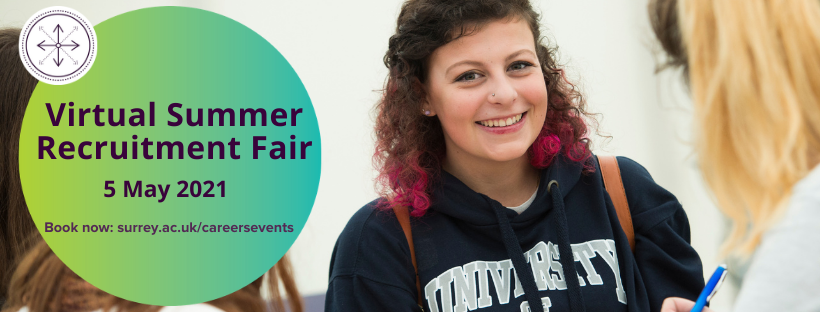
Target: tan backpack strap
615 187
403 214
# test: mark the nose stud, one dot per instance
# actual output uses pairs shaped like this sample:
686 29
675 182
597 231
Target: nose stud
493 94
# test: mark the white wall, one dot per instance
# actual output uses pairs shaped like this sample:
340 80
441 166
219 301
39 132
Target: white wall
336 47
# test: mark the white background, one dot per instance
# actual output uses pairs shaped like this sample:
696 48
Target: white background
336 47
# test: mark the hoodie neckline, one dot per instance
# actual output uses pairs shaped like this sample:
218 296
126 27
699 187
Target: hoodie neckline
454 198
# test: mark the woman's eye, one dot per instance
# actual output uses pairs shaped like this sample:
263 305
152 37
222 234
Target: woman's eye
520 65
468 76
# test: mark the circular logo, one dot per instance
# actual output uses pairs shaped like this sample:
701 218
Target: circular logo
58 45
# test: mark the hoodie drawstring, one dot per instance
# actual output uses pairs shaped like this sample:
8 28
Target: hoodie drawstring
576 300
524 272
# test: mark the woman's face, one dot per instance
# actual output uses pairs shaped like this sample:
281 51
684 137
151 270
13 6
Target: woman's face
489 93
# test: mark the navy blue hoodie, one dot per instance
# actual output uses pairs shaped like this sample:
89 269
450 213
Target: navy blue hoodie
469 249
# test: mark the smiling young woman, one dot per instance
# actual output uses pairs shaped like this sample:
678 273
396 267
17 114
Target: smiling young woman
483 140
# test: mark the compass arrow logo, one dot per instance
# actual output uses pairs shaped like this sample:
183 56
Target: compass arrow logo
58 44
62 35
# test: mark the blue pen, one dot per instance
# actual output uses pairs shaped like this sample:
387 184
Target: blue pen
711 288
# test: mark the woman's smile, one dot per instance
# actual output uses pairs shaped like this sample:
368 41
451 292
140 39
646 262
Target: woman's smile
503 125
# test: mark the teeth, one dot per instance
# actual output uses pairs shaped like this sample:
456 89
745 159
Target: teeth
502 122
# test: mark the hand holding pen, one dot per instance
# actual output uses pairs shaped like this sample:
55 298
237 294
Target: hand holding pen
674 304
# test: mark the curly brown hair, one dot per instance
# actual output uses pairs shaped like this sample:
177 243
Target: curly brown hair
410 146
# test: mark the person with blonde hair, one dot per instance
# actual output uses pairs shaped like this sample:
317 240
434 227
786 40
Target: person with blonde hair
754 73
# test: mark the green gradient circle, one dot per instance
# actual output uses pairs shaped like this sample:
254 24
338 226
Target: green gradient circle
202 60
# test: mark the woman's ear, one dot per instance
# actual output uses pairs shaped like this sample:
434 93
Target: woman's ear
426 108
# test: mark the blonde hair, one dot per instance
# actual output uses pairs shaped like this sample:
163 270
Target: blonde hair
754 71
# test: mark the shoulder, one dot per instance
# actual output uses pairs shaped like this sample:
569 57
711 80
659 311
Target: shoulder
802 212
792 240
632 171
369 225
371 243
371 268
649 203
805 200
668 264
